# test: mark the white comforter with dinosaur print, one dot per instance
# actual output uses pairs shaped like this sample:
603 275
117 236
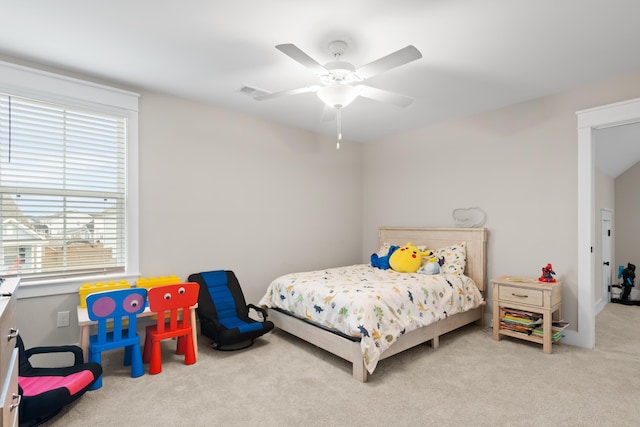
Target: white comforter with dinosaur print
376 306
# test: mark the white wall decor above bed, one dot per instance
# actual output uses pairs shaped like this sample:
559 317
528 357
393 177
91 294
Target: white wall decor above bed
469 217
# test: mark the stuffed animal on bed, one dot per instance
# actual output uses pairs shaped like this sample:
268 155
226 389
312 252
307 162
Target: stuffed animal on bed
407 259
431 266
382 262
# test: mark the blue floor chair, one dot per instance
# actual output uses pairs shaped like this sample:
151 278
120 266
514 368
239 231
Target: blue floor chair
224 313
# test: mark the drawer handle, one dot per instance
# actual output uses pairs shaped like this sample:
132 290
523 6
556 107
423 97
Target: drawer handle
520 296
13 333
13 406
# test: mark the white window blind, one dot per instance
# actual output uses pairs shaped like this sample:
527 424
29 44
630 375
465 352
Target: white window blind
62 189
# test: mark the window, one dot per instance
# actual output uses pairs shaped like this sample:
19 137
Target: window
62 189
66 182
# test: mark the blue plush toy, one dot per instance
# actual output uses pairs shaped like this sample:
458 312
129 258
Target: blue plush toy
382 262
431 266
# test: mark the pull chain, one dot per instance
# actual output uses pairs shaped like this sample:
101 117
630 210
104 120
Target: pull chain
339 129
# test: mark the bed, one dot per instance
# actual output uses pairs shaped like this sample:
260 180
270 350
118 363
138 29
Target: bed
364 315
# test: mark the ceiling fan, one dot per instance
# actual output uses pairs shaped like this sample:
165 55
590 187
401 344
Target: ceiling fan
341 81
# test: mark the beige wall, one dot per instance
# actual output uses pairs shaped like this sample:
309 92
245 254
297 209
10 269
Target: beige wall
519 164
220 190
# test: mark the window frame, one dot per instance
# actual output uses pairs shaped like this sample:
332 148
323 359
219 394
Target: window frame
59 89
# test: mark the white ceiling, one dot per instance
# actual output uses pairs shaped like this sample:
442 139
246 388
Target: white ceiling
477 55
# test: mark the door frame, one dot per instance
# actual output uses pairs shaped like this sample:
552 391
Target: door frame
604 296
605 116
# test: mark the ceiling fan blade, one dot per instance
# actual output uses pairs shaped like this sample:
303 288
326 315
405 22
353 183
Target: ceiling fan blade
299 56
272 95
384 96
395 59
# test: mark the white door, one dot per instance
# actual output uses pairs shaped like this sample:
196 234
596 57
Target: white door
606 226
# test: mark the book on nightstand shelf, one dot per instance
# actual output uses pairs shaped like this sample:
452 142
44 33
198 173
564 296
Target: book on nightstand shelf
557 329
528 323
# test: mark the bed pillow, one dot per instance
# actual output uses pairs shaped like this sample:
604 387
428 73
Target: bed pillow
384 249
455 258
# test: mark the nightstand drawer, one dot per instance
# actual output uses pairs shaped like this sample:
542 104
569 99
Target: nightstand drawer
521 295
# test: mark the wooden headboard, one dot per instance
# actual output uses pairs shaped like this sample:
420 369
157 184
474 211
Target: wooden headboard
434 238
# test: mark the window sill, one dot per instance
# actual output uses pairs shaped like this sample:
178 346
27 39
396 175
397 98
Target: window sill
41 288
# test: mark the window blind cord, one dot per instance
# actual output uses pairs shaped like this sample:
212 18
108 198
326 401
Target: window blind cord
9 155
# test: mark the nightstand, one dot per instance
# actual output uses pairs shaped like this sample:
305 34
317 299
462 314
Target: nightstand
522 296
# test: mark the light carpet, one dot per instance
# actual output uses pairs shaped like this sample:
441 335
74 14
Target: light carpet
470 380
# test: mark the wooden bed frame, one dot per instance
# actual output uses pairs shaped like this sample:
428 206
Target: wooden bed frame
433 238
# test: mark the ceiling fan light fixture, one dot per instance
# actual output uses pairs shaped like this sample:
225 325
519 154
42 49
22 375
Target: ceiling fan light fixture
338 95
340 72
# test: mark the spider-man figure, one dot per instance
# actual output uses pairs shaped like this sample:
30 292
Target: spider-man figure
547 274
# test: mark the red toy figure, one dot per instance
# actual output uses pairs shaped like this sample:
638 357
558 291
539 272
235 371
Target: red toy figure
547 273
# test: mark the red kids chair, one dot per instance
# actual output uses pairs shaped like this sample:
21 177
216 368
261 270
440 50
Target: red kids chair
172 303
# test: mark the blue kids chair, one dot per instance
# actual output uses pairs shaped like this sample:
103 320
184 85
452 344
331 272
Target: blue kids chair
119 307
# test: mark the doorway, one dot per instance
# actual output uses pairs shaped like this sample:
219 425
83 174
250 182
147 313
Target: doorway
589 120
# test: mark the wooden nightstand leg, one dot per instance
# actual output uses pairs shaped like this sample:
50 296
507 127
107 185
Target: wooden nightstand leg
559 313
496 321
547 325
